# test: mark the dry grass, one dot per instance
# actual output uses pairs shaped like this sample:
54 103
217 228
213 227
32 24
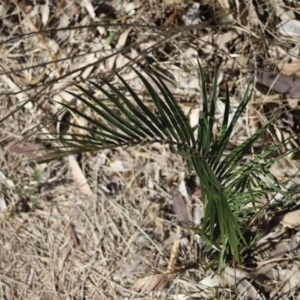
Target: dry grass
56 242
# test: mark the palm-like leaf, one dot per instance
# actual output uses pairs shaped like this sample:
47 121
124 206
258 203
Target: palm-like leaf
226 189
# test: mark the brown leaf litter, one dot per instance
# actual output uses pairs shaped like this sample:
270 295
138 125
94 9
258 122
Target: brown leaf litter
127 233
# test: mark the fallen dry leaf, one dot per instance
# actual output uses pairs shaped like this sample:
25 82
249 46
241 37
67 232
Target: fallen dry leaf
289 68
212 281
73 236
153 282
192 14
289 28
242 281
291 219
294 244
3 205
135 262
123 38
243 12
45 12
29 149
65 252
224 3
279 83
78 176
180 206
290 280
283 13
174 256
89 7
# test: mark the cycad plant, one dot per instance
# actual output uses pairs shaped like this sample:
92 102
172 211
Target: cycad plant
229 190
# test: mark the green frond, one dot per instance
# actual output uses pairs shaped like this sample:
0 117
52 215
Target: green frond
218 147
179 119
229 190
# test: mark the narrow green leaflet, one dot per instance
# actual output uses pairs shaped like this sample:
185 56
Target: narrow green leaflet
219 146
162 108
229 164
204 137
94 122
181 121
159 127
213 103
133 114
173 115
111 116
